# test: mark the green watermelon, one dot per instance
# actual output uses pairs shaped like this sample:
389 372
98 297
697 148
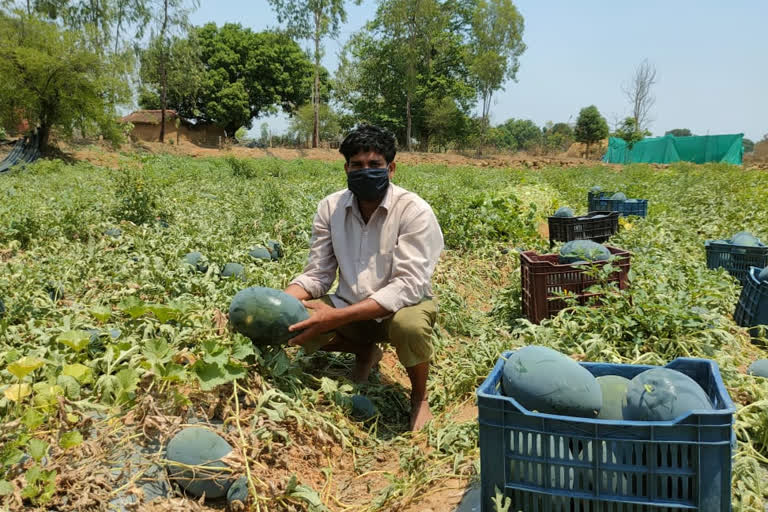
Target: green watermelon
275 249
196 260
197 446
113 232
662 394
233 270
563 211
746 239
618 196
759 368
544 380
362 408
238 491
260 253
264 315
578 250
614 389
596 189
55 290
763 275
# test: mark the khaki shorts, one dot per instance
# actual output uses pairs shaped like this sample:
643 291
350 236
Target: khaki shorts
409 330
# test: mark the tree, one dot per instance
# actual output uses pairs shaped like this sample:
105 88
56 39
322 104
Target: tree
243 76
265 137
638 93
381 80
629 131
302 126
516 135
749 145
591 127
313 20
53 79
496 45
679 132
558 137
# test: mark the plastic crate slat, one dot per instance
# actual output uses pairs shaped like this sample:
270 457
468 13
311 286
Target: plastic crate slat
569 496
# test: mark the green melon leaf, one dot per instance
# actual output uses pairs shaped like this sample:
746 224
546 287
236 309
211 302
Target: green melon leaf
70 439
76 340
80 372
24 366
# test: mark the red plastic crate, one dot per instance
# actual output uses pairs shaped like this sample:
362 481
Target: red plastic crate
542 278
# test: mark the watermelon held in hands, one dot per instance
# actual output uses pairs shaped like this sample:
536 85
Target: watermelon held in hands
264 315
759 368
614 389
544 380
662 394
201 447
580 250
563 211
619 196
233 270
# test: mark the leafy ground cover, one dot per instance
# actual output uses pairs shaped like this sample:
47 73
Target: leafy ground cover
109 344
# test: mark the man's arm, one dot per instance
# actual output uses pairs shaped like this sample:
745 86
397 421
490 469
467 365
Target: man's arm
324 318
320 271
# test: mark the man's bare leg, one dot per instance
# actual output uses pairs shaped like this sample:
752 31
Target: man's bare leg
367 355
420 412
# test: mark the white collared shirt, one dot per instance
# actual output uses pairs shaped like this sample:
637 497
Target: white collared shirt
390 259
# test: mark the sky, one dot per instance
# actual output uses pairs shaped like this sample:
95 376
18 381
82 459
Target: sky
711 59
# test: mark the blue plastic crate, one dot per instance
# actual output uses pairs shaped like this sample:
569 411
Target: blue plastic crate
600 202
752 308
551 463
736 259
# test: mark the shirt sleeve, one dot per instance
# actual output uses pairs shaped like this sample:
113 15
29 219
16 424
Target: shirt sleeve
320 272
414 259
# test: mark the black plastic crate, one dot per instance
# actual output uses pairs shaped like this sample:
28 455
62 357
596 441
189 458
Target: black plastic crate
752 308
600 202
553 463
736 259
595 226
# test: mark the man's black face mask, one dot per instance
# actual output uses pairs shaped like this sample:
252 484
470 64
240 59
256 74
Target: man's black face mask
368 184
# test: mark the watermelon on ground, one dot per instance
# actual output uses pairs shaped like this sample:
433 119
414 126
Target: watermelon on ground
362 408
197 446
544 380
275 249
260 253
759 368
264 315
196 260
238 491
663 394
233 270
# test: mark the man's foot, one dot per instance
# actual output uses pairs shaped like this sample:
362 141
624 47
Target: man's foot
364 363
420 415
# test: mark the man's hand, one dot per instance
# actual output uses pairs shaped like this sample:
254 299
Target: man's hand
323 318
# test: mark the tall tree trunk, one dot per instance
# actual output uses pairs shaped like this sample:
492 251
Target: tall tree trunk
408 121
29 10
43 136
163 74
316 123
119 24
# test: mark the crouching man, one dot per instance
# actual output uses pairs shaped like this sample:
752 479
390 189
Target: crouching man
385 243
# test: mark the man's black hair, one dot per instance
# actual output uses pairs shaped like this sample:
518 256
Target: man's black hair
368 137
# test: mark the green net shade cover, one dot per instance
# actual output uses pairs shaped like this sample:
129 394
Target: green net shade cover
698 149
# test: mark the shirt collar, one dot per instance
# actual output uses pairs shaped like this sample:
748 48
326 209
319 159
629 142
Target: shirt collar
386 203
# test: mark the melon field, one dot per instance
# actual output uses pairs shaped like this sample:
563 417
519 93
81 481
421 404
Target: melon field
110 344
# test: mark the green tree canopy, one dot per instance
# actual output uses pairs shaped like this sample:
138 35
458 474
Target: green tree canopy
628 130
679 132
303 123
52 78
558 137
591 127
243 75
516 135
